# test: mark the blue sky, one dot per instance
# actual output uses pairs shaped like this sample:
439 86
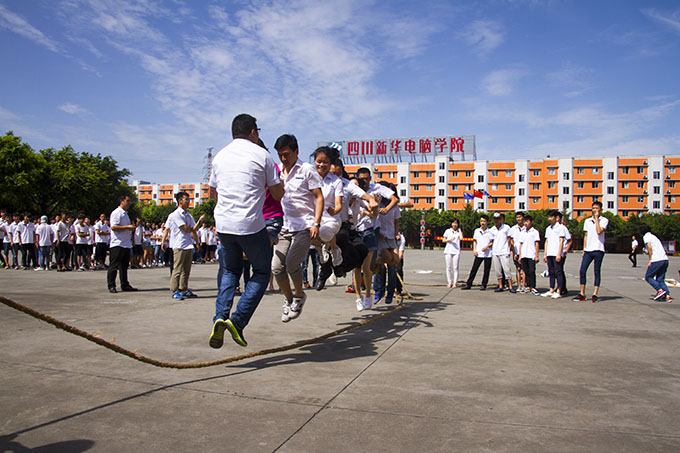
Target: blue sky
155 83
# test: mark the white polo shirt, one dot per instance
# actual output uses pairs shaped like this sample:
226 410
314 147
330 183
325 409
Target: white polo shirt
658 252
350 193
81 229
528 240
387 222
241 171
515 234
452 247
331 187
377 191
55 230
553 233
27 232
298 201
567 238
44 231
594 241
101 227
500 245
119 217
63 231
180 239
483 238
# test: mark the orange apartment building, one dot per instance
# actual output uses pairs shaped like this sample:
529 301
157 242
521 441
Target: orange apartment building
625 185
165 193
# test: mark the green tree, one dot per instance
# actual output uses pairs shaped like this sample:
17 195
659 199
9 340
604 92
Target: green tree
156 213
21 171
207 208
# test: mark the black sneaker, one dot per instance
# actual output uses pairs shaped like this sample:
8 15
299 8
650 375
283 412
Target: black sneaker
236 333
111 290
594 299
483 288
579 298
466 287
498 290
129 288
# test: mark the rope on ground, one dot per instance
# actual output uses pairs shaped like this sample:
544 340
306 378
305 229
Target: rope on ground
158 363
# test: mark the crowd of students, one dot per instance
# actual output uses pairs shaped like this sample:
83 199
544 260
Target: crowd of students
519 244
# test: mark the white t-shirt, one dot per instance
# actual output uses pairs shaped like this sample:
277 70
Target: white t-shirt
298 201
483 238
27 232
180 239
452 247
350 193
500 240
553 233
387 222
44 231
528 240
634 244
377 191
2 230
567 238
241 171
101 227
119 217
63 231
55 230
658 252
81 229
594 241
515 234
331 187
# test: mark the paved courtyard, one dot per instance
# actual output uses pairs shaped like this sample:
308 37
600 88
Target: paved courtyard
455 371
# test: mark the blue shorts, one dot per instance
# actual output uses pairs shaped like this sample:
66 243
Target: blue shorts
370 239
274 225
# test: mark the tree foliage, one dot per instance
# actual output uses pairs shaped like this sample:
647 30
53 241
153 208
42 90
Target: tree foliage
52 181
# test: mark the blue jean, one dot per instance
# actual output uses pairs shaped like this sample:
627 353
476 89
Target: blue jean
379 281
257 249
656 275
588 257
44 255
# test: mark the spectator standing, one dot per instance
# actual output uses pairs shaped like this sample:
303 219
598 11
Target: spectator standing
27 242
452 238
121 246
632 256
552 255
529 244
593 250
482 249
45 238
501 250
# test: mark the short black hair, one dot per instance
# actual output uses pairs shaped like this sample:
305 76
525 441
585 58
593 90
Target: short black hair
286 141
519 213
558 214
553 213
122 198
643 229
180 195
484 216
242 125
529 218
363 170
597 203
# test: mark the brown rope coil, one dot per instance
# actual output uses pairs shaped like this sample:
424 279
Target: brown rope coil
158 363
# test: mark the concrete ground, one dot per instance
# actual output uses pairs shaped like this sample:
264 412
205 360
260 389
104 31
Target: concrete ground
456 371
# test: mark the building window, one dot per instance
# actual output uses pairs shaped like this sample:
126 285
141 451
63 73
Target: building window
508 173
403 180
641 170
671 169
494 186
494 172
656 205
596 171
454 174
552 171
624 170
403 192
610 175
442 179
580 199
442 165
565 190
624 185
378 175
596 185
671 184
416 187
468 186
521 178
551 198
441 192
657 175
521 192
565 176
455 187
535 172
624 214
610 205
535 200
508 200
536 186
641 199
551 184
624 199
657 189
480 205
641 185
522 206
580 170
610 190
480 178
508 187
428 200
580 185
441 206
565 204
429 174
596 198
428 187
468 173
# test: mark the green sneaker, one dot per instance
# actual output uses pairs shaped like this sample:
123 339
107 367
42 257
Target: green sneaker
217 336
236 333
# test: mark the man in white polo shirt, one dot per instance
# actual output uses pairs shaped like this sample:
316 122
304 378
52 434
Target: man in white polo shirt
121 245
501 251
242 171
482 249
182 229
593 250
555 240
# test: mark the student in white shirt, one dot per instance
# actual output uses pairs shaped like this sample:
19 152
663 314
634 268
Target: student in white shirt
25 234
331 188
303 207
632 256
552 255
102 237
529 243
567 246
482 249
4 251
82 234
593 250
181 227
45 236
387 248
501 251
658 264
120 246
515 233
452 238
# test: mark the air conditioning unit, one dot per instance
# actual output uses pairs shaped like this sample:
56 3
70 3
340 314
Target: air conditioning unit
668 162
645 206
668 176
668 192
644 163
644 192
668 206
644 177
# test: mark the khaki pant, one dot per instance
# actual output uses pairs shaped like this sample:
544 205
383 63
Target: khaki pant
181 268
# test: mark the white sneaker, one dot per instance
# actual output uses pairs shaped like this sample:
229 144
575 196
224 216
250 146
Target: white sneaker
296 306
360 304
324 255
285 317
38 269
336 255
332 280
547 294
556 295
368 303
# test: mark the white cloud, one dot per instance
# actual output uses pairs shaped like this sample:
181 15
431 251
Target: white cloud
71 108
19 25
502 82
670 20
484 36
574 79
